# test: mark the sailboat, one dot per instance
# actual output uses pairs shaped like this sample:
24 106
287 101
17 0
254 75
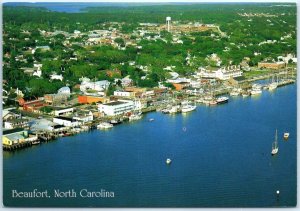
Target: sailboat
273 85
275 145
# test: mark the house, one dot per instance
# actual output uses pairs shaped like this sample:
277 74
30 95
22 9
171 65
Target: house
43 48
116 107
56 77
271 65
66 121
288 58
8 114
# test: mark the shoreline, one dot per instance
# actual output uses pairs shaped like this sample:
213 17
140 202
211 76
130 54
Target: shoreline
69 131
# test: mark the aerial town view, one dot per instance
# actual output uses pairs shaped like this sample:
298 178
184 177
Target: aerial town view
149 104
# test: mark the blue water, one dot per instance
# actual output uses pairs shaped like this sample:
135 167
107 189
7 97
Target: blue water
222 159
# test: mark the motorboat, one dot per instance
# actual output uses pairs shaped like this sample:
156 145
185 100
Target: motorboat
104 125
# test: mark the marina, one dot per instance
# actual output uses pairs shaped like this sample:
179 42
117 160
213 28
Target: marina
216 162
176 107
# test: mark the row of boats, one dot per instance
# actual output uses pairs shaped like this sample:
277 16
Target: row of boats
256 89
131 117
187 106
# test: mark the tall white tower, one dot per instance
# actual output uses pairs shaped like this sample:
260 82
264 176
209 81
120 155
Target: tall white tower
168 21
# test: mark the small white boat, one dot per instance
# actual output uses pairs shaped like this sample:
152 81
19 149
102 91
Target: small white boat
35 142
235 92
168 161
151 120
245 94
286 135
187 107
136 116
272 86
104 125
221 100
174 109
275 145
256 89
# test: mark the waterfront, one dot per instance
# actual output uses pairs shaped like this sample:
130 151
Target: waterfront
221 158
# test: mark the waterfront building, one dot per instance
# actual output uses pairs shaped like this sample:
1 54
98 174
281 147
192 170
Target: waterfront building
84 116
116 107
230 72
16 123
220 73
66 121
62 111
44 125
16 136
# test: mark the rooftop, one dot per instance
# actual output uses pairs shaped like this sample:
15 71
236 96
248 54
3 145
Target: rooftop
65 118
6 132
115 103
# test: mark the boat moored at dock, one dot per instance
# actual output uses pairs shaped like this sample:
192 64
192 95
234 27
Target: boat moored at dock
221 100
104 125
187 107
256 89
135 116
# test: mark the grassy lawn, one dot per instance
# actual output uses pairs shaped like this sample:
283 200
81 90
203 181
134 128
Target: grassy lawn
255 73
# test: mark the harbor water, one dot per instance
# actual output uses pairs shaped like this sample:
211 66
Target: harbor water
221 157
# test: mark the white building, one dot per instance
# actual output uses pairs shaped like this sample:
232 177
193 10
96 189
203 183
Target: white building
220 73
179 80
116 108
56 77
287 58
226 74
98 85
68 122
85 117
63 111
124 93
